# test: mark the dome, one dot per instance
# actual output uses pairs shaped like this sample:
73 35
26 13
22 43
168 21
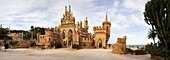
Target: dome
106 22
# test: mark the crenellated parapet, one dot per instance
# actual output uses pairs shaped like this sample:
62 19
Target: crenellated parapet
48 29
99 28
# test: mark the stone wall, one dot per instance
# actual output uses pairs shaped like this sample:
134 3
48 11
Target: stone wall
120 46
25 43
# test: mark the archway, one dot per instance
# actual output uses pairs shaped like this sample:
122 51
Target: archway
100 43
70 37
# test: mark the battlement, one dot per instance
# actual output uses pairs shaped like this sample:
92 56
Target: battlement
99 28
121 40
48 29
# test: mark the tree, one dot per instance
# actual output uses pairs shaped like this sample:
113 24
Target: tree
12 43
152 34
32 27
27 36
157 15
3 33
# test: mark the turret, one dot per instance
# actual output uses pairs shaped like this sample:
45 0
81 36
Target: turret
86 24
80 24
106 16
69 9
107 25
65 9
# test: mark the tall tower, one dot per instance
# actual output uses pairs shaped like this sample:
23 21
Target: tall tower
9 30
107 25
86 24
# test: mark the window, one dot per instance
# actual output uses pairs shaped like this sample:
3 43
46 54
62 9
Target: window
64 34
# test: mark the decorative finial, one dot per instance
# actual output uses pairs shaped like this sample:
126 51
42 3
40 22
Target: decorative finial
86 18
106 15
69 8
65 9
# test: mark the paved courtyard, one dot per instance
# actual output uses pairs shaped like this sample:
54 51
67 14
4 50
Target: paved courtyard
66 54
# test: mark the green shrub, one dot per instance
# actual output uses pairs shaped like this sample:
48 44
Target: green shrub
157 50
13 43
149 48
33 44
75 46
140 52
52 44
122 48
129 50
6 46
57 45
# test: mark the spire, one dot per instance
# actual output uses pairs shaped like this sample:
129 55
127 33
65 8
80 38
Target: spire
65 9
69 9
86 18
106 15
86 22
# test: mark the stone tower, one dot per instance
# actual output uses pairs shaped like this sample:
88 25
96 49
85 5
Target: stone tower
68 28
102 34
86 24
107 25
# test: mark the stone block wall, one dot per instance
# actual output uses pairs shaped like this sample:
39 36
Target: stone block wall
25 43
120 46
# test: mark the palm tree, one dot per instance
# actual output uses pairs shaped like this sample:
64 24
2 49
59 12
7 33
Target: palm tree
152 34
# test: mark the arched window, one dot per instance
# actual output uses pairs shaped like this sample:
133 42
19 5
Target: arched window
107 28
64 34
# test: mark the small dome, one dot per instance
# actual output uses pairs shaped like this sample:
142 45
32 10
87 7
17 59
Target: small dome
106 22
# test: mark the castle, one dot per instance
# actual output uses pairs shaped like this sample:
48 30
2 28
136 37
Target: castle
68 33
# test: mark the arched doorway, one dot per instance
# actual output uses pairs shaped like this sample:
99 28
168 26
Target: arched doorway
70 37
100 43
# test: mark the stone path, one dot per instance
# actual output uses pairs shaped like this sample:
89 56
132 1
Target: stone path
67 54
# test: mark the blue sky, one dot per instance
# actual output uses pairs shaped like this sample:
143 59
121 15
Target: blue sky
126 16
